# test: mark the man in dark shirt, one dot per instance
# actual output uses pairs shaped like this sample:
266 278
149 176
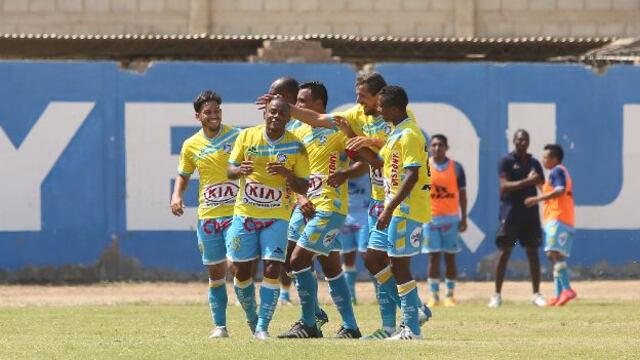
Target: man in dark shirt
520 174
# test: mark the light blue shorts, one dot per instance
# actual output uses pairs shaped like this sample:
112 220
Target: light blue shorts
249 238
402 238
558 236
321 233
441 237
354 236
211 234
375 209
296 225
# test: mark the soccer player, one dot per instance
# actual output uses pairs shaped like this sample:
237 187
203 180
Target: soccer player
558 210
323 210
272 165
398 230
520 174
449 217
207 151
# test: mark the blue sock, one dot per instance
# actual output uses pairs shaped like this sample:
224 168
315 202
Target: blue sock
558 285
451 286
218 301
563 274
339 291
316 302
410 305
385 300
269 293
350 274
434 286
307 287
246 293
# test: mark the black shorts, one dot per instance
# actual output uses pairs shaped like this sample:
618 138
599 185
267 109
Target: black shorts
528 233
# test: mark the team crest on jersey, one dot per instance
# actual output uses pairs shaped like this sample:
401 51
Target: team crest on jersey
416 237
562 238
227 148
387 129
282 158
252 151
322 139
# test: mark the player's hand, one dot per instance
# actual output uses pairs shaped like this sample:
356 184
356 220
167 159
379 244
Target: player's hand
462 226
277 168
533 177
343 125
246 167
263 100
530 201
383 219
177 206
306 207
358 142
337 179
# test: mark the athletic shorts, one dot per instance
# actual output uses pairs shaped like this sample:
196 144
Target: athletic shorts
558 236
528 233
320 235
211 234
296 225
442 237
249 238
354 235
402 238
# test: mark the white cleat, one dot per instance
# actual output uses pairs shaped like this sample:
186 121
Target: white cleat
495 301
538 300
262 335
219 332
404 333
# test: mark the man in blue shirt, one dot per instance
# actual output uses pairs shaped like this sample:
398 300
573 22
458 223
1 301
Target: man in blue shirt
520 174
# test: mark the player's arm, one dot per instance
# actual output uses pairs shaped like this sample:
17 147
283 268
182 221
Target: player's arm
533 179
355 170
311 117
177 198
238 165
306 206
410 179
559 183
298 184
367 155
461 179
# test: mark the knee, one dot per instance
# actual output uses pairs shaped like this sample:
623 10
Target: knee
241 271
272 269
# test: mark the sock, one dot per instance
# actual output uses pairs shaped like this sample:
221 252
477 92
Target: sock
434 286
269 292
316 302
557 283
218 301
246 293
386 302
410 305
284 292
563 274
339 291
307 292
451 286
350 276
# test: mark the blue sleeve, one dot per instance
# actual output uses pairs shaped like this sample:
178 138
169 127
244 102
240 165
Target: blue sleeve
462 179
557 178
537 168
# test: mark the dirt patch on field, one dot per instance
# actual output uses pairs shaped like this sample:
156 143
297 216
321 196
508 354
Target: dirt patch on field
185 293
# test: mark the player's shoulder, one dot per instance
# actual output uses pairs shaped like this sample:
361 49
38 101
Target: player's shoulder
194 140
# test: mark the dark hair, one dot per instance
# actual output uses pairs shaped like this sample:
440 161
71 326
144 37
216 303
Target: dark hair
555 150
394 96
523 131
318 91
205 97
374 81
287 86
442 138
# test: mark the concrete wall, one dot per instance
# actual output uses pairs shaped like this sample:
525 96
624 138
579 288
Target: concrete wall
487 18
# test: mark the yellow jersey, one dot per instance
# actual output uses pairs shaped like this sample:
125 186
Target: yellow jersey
326 151
407 147
216 193
261 195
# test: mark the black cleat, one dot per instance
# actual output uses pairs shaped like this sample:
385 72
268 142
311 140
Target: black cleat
301 331
321 319
344 333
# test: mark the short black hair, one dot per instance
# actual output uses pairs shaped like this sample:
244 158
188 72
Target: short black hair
318 91
287 86
442 138
205 97
555 150
394 96
523 131
373 80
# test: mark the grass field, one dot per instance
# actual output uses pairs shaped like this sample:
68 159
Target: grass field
605 327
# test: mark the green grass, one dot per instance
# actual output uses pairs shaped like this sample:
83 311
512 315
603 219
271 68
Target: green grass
580 330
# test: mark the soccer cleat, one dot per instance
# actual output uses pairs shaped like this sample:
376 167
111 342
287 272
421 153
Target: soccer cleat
301 331
405 334
552 302
424 314
379 334
219 332
566 296
344 333
262 335
433 302
450 301
321 319
538 300
495 301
